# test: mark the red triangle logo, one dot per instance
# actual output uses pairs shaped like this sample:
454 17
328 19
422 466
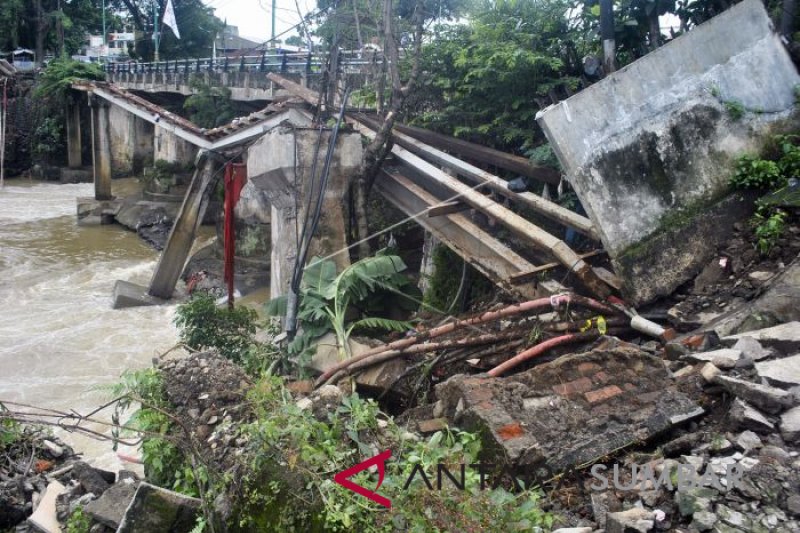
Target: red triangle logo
342 478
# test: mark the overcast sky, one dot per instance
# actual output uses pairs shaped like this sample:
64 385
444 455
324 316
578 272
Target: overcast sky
254 17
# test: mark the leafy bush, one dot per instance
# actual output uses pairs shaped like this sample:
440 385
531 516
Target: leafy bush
78 522
754 173
9 429
164 464
289 485
61 73
769 226
203 325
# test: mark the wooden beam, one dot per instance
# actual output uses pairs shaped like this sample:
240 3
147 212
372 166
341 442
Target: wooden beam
530 275
544 207
482 154
308 95
447 208
488 255
518 225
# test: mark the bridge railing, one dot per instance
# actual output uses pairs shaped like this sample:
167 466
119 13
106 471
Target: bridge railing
286 63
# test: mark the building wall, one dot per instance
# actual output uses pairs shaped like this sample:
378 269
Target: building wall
649 149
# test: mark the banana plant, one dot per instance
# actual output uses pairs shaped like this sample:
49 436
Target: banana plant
329 300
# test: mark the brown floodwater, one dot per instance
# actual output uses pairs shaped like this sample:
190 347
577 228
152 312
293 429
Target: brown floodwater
60 341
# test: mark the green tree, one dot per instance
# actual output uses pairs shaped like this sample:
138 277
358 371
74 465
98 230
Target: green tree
196 23
209 106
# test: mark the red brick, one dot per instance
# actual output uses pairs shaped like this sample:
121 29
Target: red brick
588 368
602 377
510 431
603 394
573 387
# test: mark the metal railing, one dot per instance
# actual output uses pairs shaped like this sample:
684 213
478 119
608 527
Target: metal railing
286 63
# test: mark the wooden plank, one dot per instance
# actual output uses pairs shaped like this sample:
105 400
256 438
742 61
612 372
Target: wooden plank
308 95
609 277
544 207
482 154
524 229
492 258
447 208
531 274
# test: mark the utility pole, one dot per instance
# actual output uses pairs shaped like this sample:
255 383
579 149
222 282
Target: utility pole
607 35
105 45
156 33
273 21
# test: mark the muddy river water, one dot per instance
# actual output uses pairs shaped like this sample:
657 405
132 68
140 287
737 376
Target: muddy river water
60 341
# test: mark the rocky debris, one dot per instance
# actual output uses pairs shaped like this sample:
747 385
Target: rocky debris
25 466
783 337
109 508
748 441
92 479
44 517
782 372
744 416
751 349
768 399
156 509
150 220
630 521
207 393
571 410
790 425
724 358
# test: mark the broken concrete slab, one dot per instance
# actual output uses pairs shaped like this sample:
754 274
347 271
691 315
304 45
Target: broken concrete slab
377 377
784 337
785 372
44 518
724 358
637 154
571 410
790 425
109 508
768 399
637 520
156 509
127 294
751 348
745 416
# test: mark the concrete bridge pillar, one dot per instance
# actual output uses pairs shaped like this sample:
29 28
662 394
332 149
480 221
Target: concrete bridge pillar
101 148
131 142
279 166
74 147
170 147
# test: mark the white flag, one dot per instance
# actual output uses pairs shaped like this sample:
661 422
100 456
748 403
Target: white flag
169 19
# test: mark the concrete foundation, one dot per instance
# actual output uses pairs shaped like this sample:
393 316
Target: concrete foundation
101 149
279 167
127 294
650 149
74 145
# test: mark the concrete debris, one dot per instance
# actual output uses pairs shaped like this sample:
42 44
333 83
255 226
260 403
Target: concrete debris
768 399
633 520
751 348
44 517
747 441
783 337
782 372
606 399
747 417
91 479
709 372
790 425
156 509
109 508
725 358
